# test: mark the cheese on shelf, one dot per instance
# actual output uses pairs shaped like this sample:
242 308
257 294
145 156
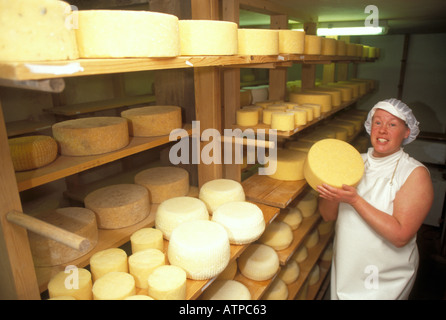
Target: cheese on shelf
153 34
289 165
75 283
340 132
290 272
300 116
114 286
118 206
328 46
91 136
229 272
32 152
167 282
346 92
267 116
307 203
175 211
243 221
333 162
200 247
316 109
291 216
142 264
207 37
278 235
327 254
164 182
226 290
336 97
341 48
247 117
322 99
108 260
282 121
153 121
258 262
350 127
258 93
312 239
258 42
301 254
218 191
325 227
278 290
259 110
313 44
291 41
245 97
314 275
146 238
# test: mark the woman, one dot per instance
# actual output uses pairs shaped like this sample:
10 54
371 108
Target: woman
375 254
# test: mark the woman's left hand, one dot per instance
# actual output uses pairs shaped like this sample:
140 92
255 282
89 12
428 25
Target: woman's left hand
345 194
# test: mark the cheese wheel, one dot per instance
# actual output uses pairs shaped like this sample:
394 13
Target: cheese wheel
313 44
314 275
245 96
47 252
142 264
114 286
289 165
200 247
266 103
259 110
336 97
229 272
118 206
282 121
325 227
226 290
243 221
308 110
173 212
37 31
153 121
341 48
146 238
300 117
278 290
351 49
328 46
153 34
267 116
277 107
327 254
312 239
291 41
290 272
333 162
299 145
139 297
218 191
207 37
301 254
291 216
108 260
258 42
247 117
322 99
355 87
32 152
307 203
326 132
316 108
359 49
258 93
258 262
278 235
75 283
346 92
164 182
167 282
91 136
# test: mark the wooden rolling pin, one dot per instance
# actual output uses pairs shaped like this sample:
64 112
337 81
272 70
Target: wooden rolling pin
48 230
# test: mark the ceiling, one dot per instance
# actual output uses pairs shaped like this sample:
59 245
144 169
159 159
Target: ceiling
401 16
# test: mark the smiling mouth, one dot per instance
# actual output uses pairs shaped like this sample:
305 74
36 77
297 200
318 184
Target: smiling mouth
382 140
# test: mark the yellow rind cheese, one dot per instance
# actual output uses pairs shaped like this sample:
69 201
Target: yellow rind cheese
313 44
114 286
282 121
328 46
258 42
289 165
247 117
75 283
291 41
322 99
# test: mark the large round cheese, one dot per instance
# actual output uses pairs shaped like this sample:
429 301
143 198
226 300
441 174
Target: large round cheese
313 44
142 264
278 235
200 247
137 33
108 260
258 42
173 212
243 221
207 37
291 41
91 136
226 290
37 31
333 162
289 165
74 283
153 120
119 206
167 282
290 272
164 182
277 290
78 220
146 238
218 191
291 216
322 99
114 286
258 262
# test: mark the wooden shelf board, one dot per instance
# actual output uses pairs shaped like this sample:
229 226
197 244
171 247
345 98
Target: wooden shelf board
20 127
256 288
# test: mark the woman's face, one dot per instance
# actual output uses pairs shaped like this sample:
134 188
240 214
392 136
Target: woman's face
387 134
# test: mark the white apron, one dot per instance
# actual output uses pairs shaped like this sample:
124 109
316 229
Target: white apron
365 265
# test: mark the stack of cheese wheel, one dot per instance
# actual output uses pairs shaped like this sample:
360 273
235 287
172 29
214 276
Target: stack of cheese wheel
32 152
119 206
22 40
313 44
277 290
341 48
282 121
175 211
290 272
77 220
226 290
108 260
247 117
219 191
258 262
142 264
146 238
164 182
288 165
291 41
153 121
167 282
258 42
62 284
307 203
200 247
322 99
328 46
243 221
91 136
229 272
291 216
278 235
207 37
98 32
114 286
298 145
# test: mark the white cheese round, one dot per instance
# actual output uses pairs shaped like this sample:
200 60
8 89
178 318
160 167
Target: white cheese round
108 260
277 235
290 272
258 262
167 282
291 216
216 192
277 290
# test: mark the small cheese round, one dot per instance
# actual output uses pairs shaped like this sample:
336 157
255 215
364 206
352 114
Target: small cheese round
258 42
74 283
282 121
229 272
142 264
118 206
309 111
307 203
108 260
333 162
300 117
291 41
277 235
173 212
200 247
247 117
289 165
226 290
114 286
312 239
243 221
328 46
277 290
301 254
146 238
267 116
164 182
258 262
290 272
313 44
167 282
218 191
314 275
291 216
91 136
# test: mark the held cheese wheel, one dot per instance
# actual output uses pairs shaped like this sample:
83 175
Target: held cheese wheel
75 283
91 136
333 162
114 286
258 262
119 206
258 42
218 191
167 282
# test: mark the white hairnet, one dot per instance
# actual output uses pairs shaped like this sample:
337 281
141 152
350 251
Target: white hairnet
398 109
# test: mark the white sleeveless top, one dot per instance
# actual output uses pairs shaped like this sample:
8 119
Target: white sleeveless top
365 265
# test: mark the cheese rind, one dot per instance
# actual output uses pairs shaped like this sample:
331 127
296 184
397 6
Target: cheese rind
142 264
289 165
167 282
74 283
108 260
218 191
146 238
282 121
226 290
322 99
258 262
313 44
114 286
247 117
278 235
291 41
258 42
291 216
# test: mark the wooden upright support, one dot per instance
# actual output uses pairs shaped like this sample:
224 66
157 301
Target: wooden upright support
309 70
278 76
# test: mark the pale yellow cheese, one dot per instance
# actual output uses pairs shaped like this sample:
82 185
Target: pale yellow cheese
75 283
291 41
322 99
267 116
346 92
114 286
313 44
258 262
229 272
340 132
37 31
291 216
142 264
278 235
354 86
312 239
328 46
146 238
341 48
327 254
167 282
307 203
282 121
153 121
350 127
247 117
351 49
277 107
218 191
289 165
153 34
119 206
316 109
357 122
226 290
207 37
336 97
267 103
301 254
290 272
259 110
258 42
164 182
300 116
108 260
277 290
